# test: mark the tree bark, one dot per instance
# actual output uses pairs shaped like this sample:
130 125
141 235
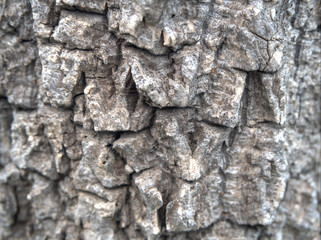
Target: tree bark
177 119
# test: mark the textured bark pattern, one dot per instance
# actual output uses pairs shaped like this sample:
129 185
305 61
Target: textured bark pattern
154 119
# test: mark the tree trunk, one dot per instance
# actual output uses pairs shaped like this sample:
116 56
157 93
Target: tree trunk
177 119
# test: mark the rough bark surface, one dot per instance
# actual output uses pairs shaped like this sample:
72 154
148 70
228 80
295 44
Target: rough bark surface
154 119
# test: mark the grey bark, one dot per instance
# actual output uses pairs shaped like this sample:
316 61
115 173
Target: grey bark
177 119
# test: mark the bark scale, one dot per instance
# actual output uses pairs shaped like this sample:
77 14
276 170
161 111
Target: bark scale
176 119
